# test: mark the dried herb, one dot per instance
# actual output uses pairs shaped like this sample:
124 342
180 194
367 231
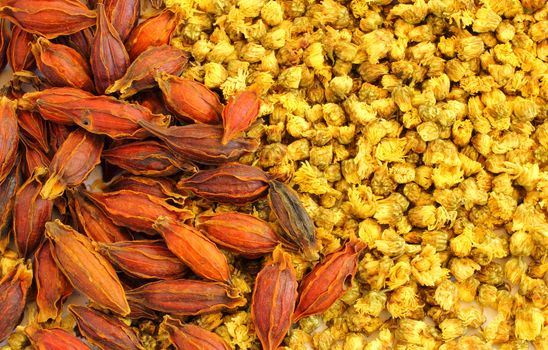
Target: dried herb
8 136
53 339
14 287
19 54
191 337
239 113
155 31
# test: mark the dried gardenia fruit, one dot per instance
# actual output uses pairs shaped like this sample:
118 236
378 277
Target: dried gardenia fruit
93 221
191 337
9 138
53 339
144 210
8 187
239 113
34 129
201 143
50 18
142 72
4 43
273 300
30 214
155 31
149 158
186 297
104 331
328 281
62 65
19 54
88 271
109 59
190 100
14 287
72 163
200 254
144 259
297 225
123 14
159 187
52 287
240 233
103 115
230 183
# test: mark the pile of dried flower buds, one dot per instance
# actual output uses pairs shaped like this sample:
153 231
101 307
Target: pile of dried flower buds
250 150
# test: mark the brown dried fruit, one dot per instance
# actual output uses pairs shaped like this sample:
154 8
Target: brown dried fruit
239 113
34 129
103 331
141 214
72 163
52 287
230 183
8 187
9 136
102 115
186 297
14 287
109 59
191 337
34 158
88 271
53 339
200 254
50 18
94 222
19 54
144 259
30 214
143 70
155 31
62 65
240 233
123 14
273 300
297 225
149 158
328 281
159 187
201 143
80 41
190 100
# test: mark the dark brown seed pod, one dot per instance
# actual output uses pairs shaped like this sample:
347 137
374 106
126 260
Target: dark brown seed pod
298 227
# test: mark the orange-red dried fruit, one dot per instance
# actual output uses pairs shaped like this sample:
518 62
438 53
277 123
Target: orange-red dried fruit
62 65
239 113
53 339
191 337
273 300
155 31
19 55
230 183
200 254
123 14
14 287
9 136
240 233
328 281
190 100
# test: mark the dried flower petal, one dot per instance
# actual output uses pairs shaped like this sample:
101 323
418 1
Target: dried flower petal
105 332
328 281
88 271
191 337
48 18
273 300
200 254
186 297
52 287
296 223
143 70
230 183
239 113
72 163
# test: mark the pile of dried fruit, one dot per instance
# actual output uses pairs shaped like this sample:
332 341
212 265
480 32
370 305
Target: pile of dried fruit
416 128
143 223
